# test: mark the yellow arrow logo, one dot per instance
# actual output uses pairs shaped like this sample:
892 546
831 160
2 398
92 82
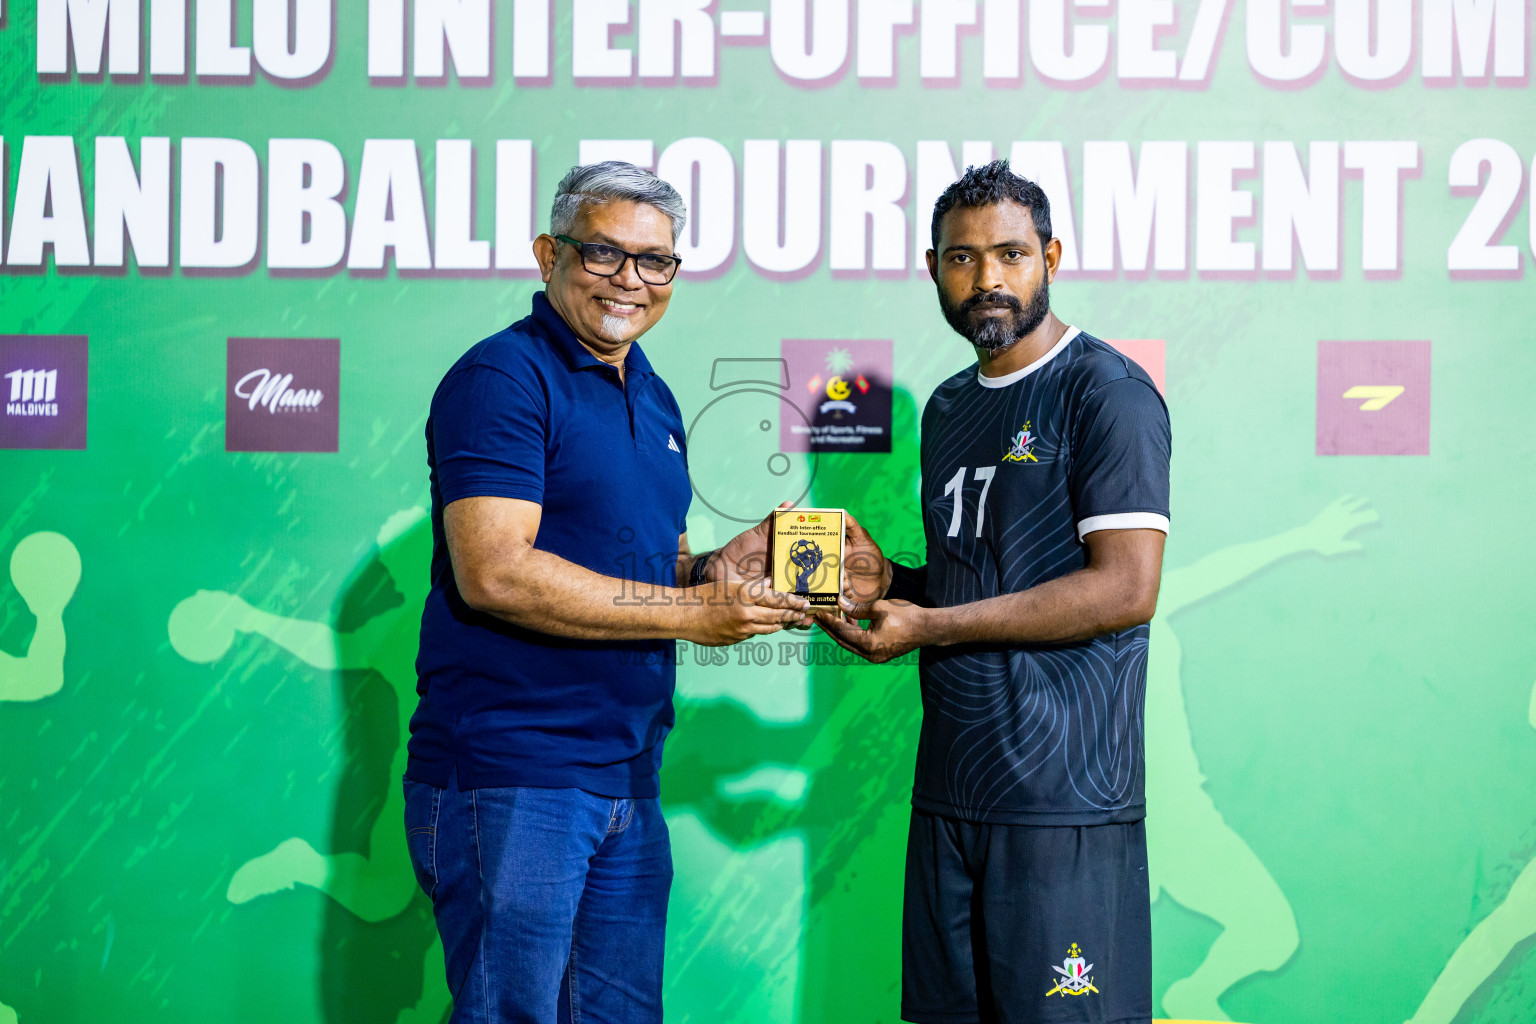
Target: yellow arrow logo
1376 397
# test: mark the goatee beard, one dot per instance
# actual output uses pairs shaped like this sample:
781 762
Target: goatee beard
995 333
614 328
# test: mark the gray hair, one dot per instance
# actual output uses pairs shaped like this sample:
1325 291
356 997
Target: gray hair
609 181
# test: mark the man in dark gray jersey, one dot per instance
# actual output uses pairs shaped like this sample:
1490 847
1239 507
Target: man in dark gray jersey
1045 508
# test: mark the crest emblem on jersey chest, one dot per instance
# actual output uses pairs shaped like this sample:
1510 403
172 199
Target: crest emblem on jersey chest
1075 979
1022 448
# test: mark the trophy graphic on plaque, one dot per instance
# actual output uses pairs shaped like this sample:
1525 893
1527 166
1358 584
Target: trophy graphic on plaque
805 555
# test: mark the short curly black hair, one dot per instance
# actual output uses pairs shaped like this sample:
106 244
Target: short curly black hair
991 184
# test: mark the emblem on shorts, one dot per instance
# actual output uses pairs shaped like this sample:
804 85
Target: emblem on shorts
1075 979
1023 447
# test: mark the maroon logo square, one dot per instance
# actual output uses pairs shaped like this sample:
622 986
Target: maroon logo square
280 395
43 382
842 390
1373 398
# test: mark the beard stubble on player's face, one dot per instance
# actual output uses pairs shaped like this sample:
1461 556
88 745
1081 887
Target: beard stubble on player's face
974 318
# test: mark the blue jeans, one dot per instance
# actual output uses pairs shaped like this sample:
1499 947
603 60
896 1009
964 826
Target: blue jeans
552 903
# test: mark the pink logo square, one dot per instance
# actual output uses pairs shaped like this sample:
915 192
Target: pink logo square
842 390
281 395
1373 398
1148 353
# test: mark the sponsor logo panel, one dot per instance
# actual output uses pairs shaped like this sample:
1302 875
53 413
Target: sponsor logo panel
1373 397
281 395
1151 354
843 390
43 379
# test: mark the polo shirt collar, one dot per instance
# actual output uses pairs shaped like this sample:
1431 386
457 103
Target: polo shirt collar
570 347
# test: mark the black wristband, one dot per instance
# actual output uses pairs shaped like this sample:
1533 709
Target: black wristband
700 567
907 584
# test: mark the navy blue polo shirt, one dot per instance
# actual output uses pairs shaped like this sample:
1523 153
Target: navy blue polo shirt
529 413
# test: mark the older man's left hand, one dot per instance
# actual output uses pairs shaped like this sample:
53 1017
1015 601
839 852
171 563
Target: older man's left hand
745 556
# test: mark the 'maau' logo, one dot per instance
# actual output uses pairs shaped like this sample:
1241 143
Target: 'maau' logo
265 388
282 395
1075 979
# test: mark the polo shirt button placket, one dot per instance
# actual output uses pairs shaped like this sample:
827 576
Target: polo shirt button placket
630 398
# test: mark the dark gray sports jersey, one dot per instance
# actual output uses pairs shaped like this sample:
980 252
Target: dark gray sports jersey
1016 470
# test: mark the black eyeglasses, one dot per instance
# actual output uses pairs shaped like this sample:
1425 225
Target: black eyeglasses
608 260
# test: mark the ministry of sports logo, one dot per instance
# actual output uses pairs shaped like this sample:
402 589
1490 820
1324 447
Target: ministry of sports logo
842 389
1022 448
838 391
43 382
281 395
1075 979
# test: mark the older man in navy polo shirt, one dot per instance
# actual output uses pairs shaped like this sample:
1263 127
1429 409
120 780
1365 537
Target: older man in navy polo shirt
559 496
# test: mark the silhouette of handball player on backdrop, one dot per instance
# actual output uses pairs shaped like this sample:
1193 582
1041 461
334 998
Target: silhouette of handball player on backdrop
1487 947
379 884
45 569
1194 856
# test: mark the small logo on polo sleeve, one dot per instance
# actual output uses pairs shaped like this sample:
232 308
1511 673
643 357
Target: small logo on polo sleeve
1075 979
672 443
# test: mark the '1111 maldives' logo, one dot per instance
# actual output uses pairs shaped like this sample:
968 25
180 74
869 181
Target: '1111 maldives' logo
44 391
33 393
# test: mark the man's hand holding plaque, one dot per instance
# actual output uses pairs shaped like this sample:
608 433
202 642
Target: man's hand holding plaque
895 627
744 556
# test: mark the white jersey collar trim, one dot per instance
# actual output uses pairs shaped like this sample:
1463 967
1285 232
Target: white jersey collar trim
1018 375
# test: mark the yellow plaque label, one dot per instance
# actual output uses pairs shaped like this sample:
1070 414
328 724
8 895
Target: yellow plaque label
807 553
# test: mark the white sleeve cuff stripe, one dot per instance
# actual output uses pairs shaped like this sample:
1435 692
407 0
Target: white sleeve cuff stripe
1122 521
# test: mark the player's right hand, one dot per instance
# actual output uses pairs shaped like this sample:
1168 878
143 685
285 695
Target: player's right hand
730 611
895 627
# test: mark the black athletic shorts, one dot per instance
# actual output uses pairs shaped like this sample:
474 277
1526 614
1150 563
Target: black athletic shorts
1015 924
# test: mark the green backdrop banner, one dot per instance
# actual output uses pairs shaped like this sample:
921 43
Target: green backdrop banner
241 240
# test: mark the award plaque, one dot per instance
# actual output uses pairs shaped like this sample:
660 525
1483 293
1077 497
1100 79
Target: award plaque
807 553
